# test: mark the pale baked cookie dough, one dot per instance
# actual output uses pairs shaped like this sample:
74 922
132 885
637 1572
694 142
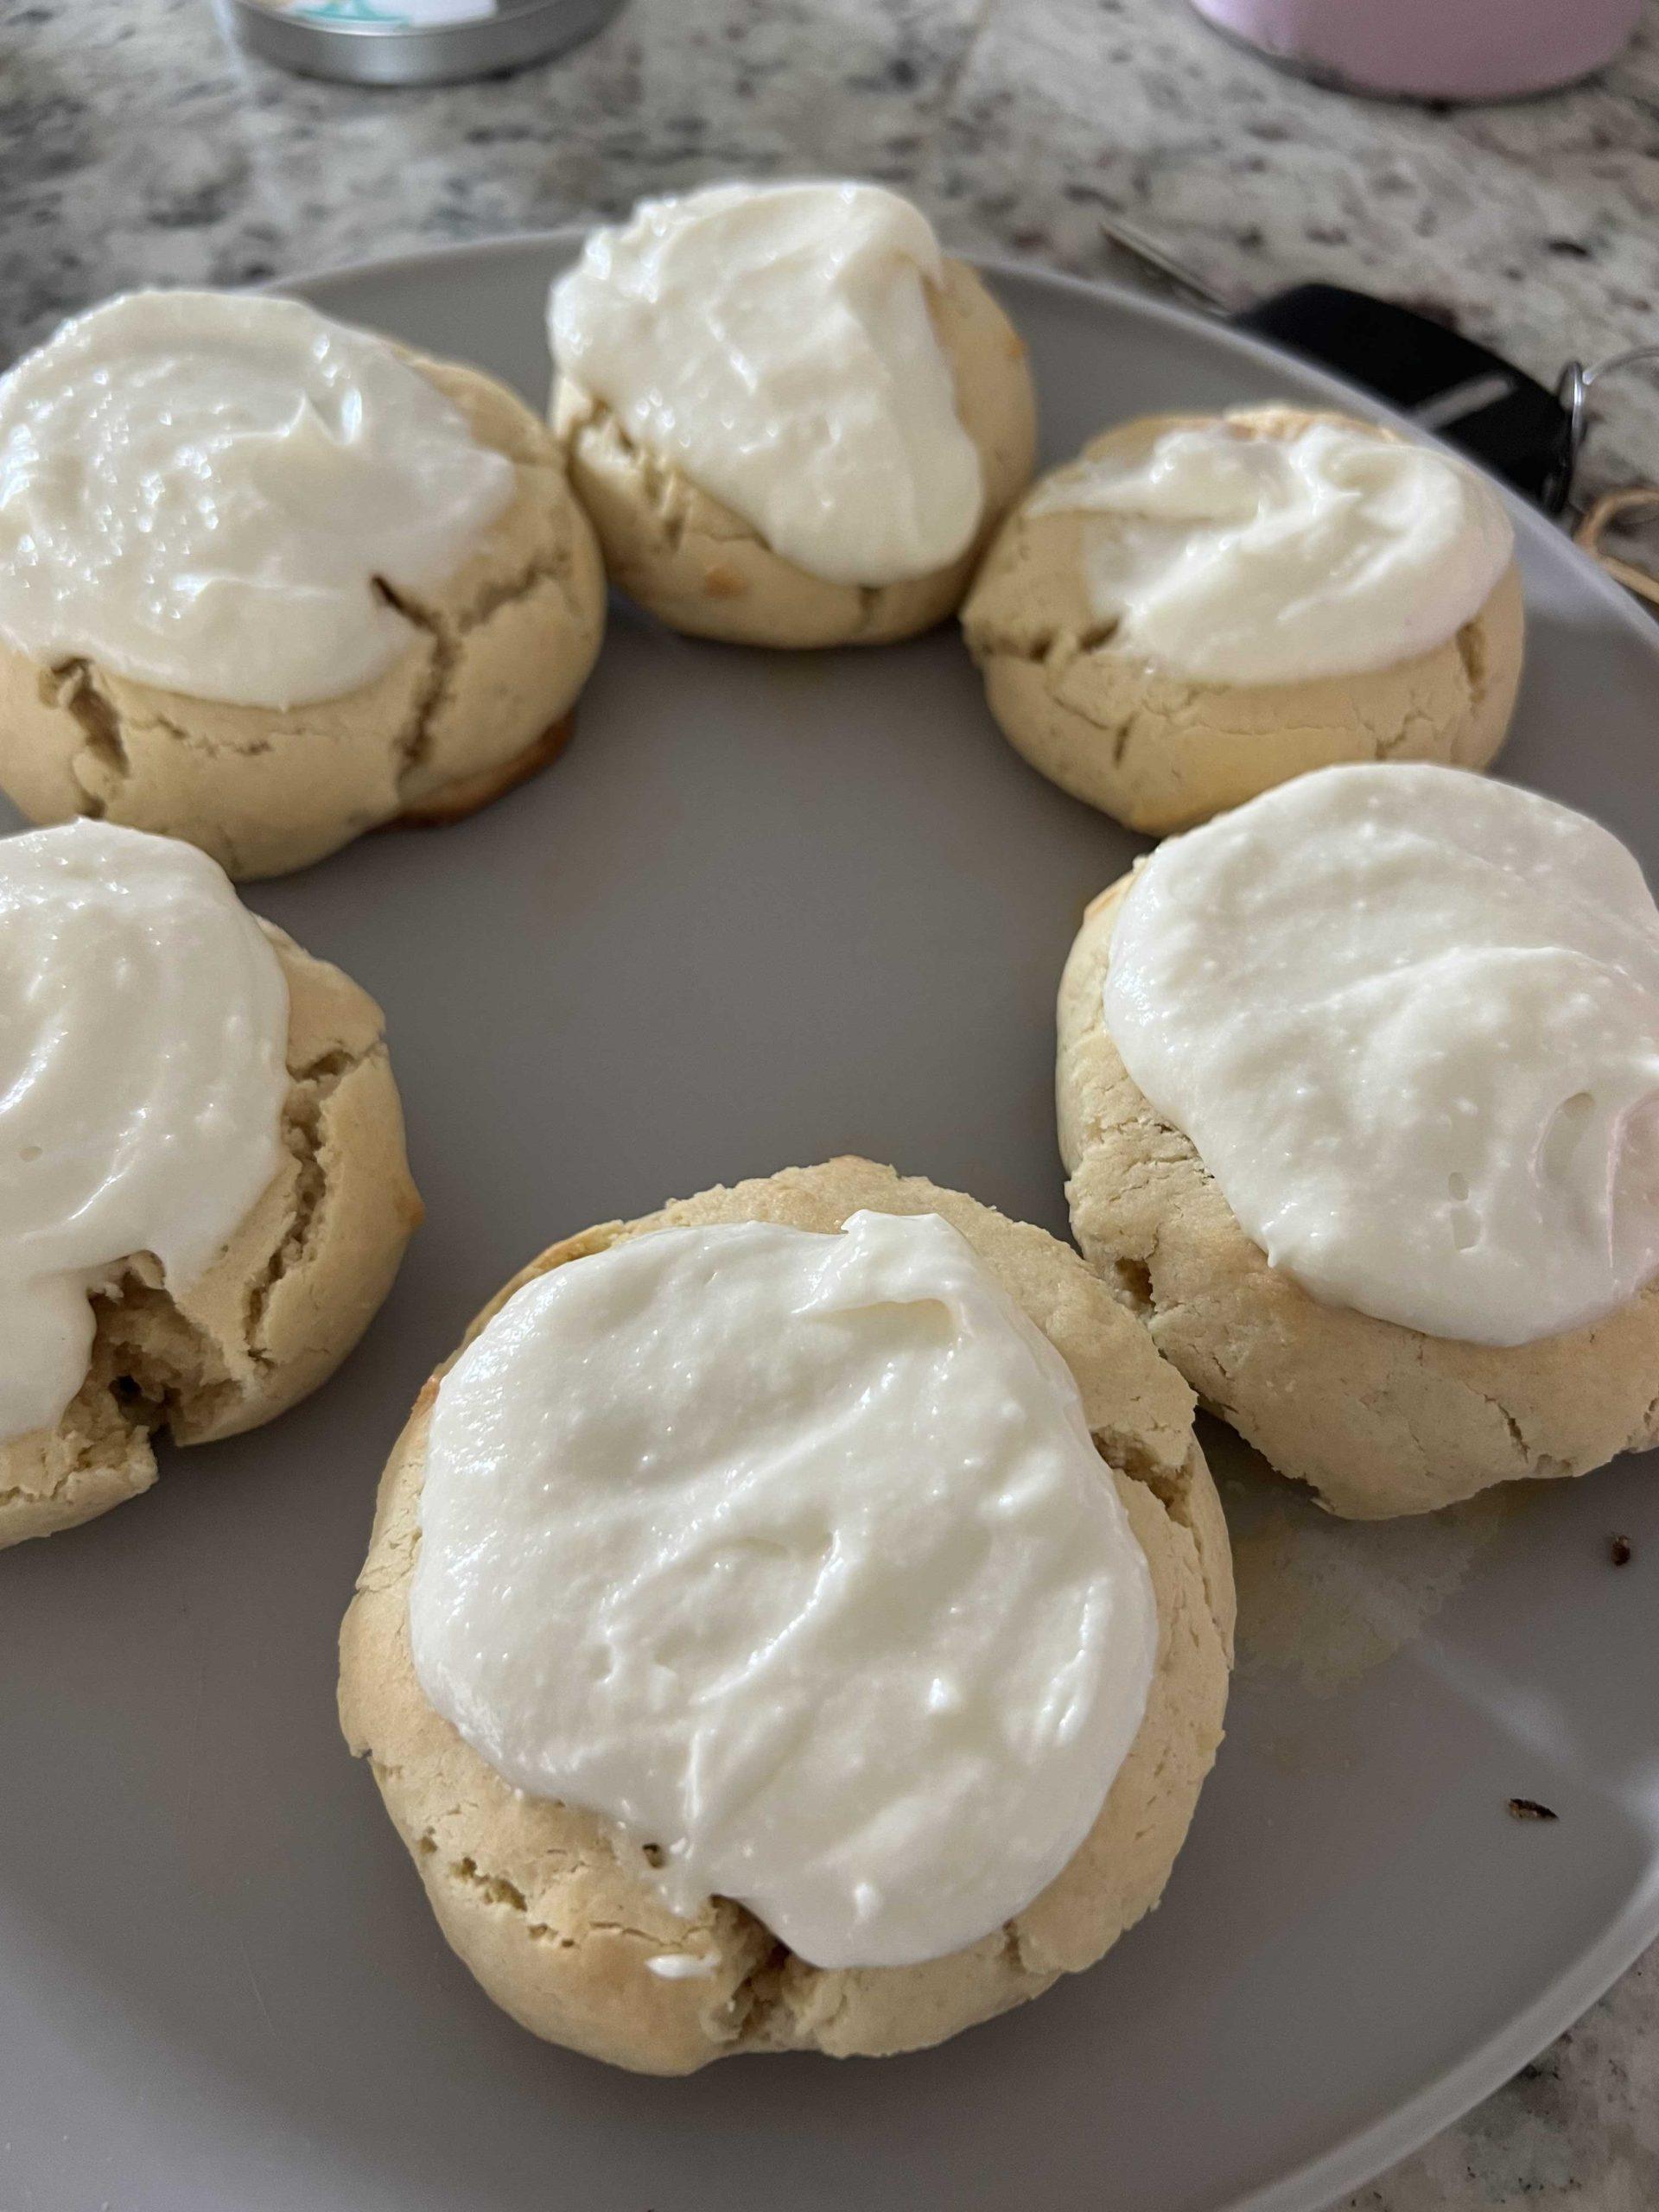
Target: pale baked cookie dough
482 697
697 565
272 1318
552 1910
1379 1419
1159 752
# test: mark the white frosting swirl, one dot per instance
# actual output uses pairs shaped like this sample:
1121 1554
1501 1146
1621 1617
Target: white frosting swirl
144 1027
774 342
1409 1018
202 491
1236 556
792 1555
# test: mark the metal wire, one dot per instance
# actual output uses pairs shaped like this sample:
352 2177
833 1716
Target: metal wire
1573 389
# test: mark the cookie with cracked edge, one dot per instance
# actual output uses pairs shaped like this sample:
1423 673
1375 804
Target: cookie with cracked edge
553 1910
697 565
291 1294
481 699
1159 752
1378 1419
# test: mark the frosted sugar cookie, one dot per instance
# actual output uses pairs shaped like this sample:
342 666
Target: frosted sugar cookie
267 581
798 1619
203 1191
1359 1099
794 421
1199 607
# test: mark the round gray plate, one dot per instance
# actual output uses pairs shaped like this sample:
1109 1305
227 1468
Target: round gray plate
768 908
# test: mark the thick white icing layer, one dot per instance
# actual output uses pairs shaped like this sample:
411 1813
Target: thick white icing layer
792 1555
1409 1017
204 491
774 342
143 1027
1236 557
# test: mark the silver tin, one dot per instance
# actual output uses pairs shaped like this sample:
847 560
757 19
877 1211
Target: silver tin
520 31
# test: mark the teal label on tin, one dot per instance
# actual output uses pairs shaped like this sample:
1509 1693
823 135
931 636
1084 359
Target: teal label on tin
384 15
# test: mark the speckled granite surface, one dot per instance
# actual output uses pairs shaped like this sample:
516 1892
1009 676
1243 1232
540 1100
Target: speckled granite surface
134 147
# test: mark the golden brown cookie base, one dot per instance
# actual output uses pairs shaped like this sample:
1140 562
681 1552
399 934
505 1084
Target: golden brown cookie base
493 658
699 567
555 1911
454 802
1377 1419
285 1301
1160 751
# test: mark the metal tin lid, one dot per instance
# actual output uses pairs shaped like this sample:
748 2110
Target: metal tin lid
410 41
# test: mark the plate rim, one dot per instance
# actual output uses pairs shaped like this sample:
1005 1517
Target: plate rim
1371 2149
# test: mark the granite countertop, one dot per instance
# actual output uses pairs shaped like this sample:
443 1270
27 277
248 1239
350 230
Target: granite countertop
135 148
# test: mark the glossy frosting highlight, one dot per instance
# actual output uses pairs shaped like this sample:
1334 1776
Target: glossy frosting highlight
791 1555
207 492
774 342
1409 1018
144 1023
1235 556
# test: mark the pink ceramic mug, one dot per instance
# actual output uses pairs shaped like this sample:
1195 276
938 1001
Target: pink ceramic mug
1433 50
